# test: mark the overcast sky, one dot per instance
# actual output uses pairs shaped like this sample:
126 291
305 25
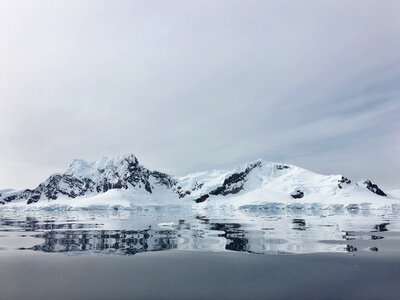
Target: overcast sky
193 85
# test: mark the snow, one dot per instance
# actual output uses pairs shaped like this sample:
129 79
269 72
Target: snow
395 194
267 185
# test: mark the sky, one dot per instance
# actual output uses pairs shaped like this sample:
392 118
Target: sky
195 85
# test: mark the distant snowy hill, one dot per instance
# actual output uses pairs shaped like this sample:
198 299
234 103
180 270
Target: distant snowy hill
123 182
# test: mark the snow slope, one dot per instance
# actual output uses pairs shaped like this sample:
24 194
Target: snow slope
122 182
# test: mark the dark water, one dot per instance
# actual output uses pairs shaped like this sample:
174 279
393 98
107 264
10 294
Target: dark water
171 253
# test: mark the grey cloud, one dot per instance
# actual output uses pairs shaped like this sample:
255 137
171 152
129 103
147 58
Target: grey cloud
193 85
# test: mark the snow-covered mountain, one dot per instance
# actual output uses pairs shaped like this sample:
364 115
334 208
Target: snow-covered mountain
122 181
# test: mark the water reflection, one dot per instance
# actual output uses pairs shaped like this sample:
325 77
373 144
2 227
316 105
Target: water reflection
33 224
126 242
261 232
381 227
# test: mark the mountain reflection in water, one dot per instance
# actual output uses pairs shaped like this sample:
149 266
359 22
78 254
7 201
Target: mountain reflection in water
126 242
260 232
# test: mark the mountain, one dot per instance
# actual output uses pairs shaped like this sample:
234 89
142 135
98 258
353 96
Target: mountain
122 181
82 179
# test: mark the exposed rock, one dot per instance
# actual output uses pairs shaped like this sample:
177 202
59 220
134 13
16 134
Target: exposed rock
163 179
10 198
343 180
202 198
235 182
183 193
373 188
282 167
297 194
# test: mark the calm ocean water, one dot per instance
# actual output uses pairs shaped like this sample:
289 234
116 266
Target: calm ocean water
175 253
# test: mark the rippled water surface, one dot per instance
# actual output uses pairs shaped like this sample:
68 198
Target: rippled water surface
256 231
